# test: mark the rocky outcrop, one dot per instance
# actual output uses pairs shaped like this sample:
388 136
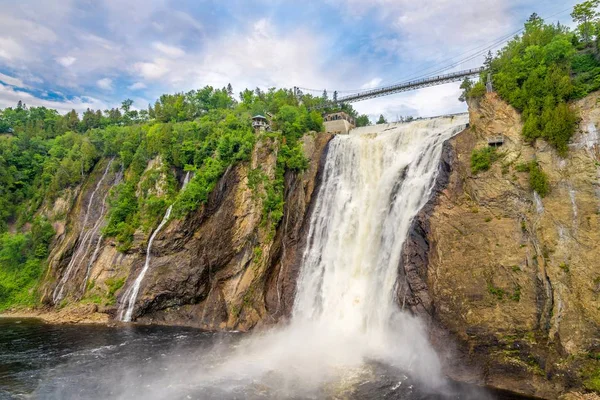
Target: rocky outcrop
509 282
224 266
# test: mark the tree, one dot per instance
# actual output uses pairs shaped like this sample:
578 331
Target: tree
324 96
229 90
381 120
362 120
487 64
466 86
585 14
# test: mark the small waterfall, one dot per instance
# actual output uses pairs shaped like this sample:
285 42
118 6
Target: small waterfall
130 296
99 225
85 241
539 206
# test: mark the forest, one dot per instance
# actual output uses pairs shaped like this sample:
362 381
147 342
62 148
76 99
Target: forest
43 153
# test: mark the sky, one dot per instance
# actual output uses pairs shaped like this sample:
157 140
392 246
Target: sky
75 54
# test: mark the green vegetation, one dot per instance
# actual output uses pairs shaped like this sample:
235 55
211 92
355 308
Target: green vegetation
496 291
482 159
538 180
22 259
43 155
592 380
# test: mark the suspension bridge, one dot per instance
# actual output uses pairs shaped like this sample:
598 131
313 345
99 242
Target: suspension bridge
401 87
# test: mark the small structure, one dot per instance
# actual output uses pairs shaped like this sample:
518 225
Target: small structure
338 123
489 86
496 141
260 123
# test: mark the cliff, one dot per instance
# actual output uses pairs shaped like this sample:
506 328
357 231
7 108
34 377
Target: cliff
511 279
221 267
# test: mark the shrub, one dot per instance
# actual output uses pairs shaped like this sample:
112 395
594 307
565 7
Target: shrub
538 180
482 159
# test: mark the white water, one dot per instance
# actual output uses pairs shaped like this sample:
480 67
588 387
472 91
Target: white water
85 242
130 296
346 315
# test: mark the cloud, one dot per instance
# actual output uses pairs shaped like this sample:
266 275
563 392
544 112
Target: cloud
137 86
12 81
171 51
10 49
66 61
160 46
373 83
9 96
105 83
152 70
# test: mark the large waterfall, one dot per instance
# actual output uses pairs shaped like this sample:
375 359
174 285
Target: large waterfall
346 315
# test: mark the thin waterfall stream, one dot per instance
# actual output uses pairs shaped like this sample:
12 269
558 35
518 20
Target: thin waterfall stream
84 242
130 295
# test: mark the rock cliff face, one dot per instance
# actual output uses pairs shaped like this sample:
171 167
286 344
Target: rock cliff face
510 279
222 267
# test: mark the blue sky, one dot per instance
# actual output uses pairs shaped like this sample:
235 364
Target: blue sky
94 53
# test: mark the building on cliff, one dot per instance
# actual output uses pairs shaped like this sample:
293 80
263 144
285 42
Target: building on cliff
338 123
261 123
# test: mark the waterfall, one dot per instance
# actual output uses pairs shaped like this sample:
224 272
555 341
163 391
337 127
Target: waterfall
99 225
84 242
130 296
375 181
346 316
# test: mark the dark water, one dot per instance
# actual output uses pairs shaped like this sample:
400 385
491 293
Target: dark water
43 361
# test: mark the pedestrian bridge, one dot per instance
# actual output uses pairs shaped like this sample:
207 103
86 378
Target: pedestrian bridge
401 87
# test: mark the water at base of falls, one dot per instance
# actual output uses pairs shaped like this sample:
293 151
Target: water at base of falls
73 362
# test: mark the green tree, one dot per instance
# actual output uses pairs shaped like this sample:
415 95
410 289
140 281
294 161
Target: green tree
585 14
381 120
363 120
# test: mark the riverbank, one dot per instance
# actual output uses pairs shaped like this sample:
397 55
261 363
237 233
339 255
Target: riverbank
76 314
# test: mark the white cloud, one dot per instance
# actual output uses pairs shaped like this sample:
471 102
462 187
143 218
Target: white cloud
12 81
105 83
152 70
10 49
66 61
373 83
9 96
433 29
170 51
137 86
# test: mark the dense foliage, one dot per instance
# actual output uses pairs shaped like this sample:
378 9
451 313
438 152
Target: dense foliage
22 257
43 153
